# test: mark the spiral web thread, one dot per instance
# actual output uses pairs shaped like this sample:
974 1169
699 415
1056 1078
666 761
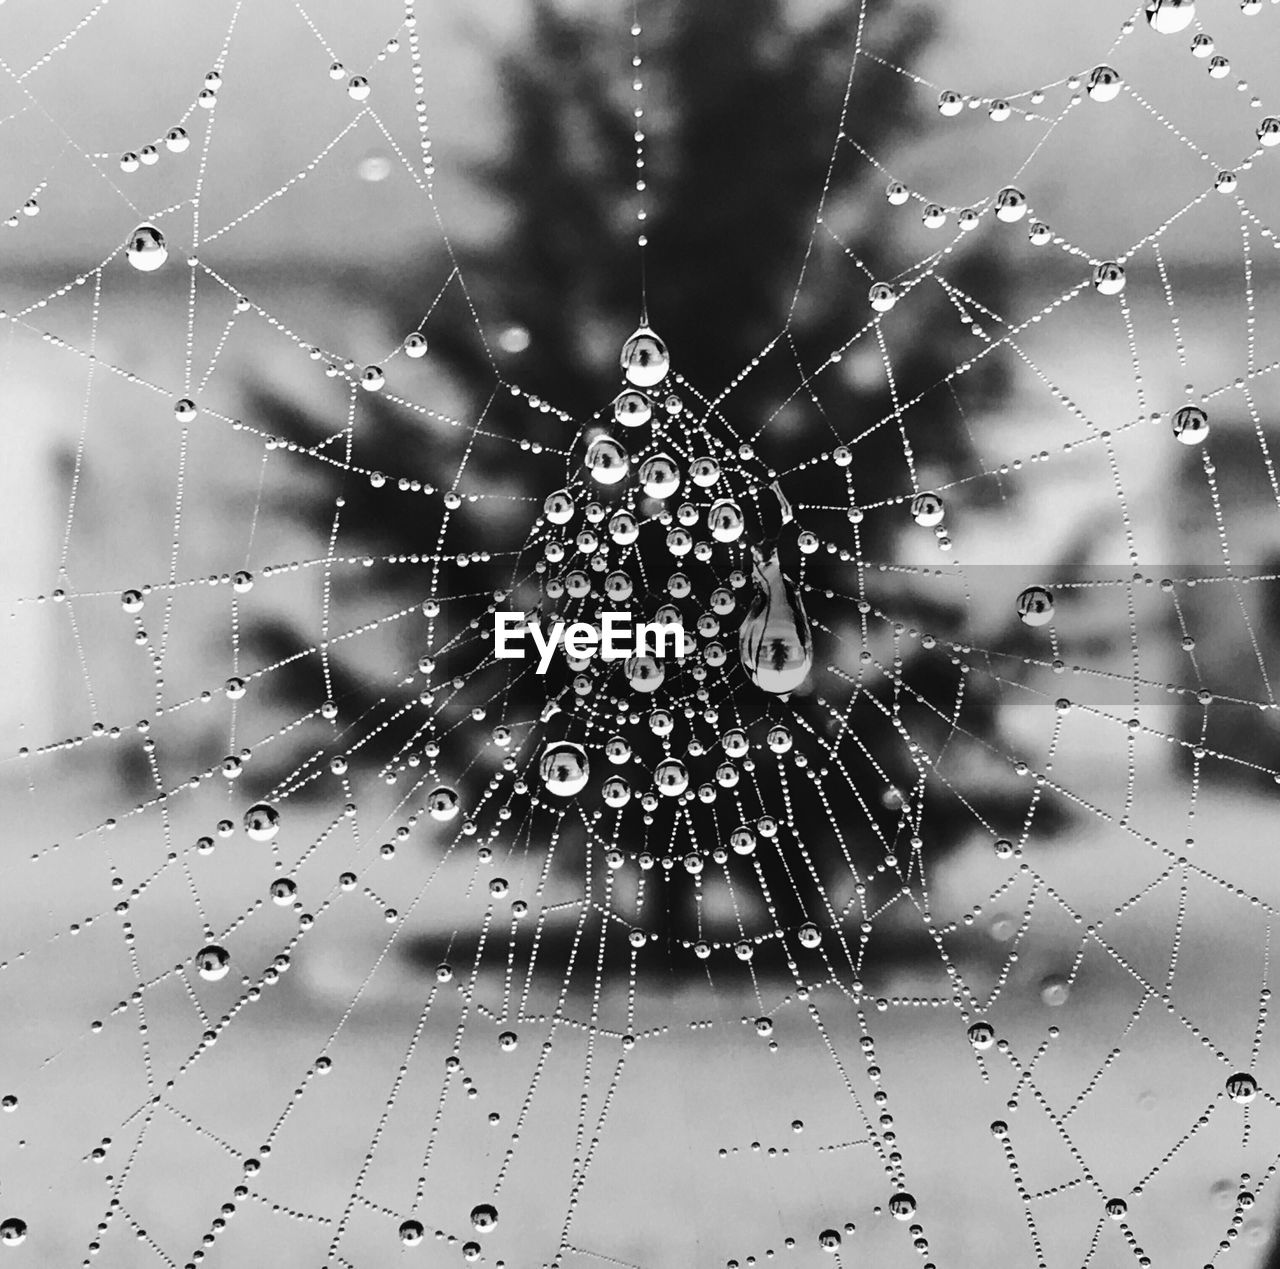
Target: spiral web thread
1094 1084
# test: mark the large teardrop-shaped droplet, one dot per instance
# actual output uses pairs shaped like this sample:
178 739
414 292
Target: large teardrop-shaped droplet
645 360
774 639
146 250
564 768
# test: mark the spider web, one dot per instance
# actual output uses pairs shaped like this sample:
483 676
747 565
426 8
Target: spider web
661 1009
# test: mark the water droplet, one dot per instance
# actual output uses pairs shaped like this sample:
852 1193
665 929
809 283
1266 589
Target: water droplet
1011 205
1039 235
145 249
1190 425
644 674
623 528
774 640
618 749
671 777
950 104
262 822
1117 1208
927 509
507 1041
659 476
645 360
632 409
1226 182
484 1216
1242 1088
411 1233
12 1231
1104 84
373 379
415 344
902 1206
564 768
616 791
606 460
442 803
982 1035
177 140
1170 16
559 507
829 1240
213 962
897 193
705 472
882 296
1269 131
1108 278
725 520
357 88
283 891
1035 606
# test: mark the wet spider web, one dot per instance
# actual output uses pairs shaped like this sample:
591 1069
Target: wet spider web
698 989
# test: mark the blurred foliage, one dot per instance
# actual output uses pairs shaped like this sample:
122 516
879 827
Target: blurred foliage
745 101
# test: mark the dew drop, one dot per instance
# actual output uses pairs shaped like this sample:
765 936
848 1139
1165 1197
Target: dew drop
774 640
725 520
671 777
1108 278
484 1216
146 250
213 962
705 472
645 360
606 460
927 509
1242 1088
659 476
829 1240
13 1230
559 507
1190 425
1035 606
632 409
411 1233
882 296
564 768
982 1035
1011 205
442 803
1168 17
1104 84
262 822
902 1206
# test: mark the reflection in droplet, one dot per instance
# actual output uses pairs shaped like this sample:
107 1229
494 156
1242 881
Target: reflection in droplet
213 962
645 360
564 768
146 250
606 460
774 640
1035 606
1170 16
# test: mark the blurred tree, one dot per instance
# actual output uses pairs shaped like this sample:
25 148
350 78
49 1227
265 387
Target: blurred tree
746 100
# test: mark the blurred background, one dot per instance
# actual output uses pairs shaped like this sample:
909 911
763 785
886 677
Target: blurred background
657 1109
